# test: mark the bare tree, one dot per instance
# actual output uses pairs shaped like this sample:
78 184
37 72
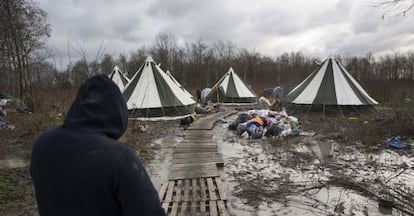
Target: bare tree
396 7
162 51
107 64
23 30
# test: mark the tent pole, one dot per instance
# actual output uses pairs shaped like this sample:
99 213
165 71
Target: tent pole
340 110
307 112
373 108
218 99
295 108
323 116
356 110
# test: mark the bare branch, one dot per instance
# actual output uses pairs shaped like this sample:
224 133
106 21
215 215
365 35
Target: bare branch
395 7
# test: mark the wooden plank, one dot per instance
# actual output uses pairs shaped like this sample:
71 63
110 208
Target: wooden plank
162 191
191 144
213 208
165 207
184 171
197 155
197 139
197 142
203 126
196 149
181 151
198 160
191 167
174 209
203 190
211 189
187 190
170 190
184 147
195 174
184 208
198 132
203 208
194 189
220 188
195 132
222 208
194 140
198 135
178 191
193 208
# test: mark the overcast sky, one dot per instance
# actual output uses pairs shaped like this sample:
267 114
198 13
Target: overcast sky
271 27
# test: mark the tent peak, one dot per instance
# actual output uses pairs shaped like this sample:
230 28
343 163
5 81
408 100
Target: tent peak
330 84
116 68
149 59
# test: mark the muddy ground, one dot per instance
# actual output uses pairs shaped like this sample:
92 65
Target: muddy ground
326 174
344 169
16 191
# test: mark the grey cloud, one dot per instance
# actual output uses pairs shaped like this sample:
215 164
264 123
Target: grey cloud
277 22
364 20
343 26
171 9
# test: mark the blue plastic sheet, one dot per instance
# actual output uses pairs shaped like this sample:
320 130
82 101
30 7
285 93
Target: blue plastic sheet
395 142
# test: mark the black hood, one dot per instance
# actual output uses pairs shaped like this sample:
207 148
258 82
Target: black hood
98 107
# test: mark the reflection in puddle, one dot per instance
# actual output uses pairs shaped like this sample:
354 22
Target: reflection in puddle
304 176
158 168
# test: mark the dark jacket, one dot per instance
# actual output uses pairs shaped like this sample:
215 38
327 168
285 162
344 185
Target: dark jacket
80 169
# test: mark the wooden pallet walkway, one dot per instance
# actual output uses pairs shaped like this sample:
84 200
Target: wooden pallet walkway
194 186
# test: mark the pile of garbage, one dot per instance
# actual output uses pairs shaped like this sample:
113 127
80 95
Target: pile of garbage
6 125
10 105
255 124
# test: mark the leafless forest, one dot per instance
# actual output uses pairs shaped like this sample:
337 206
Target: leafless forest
32 71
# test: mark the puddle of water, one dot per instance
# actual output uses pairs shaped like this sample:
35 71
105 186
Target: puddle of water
290 177
158 168
13 163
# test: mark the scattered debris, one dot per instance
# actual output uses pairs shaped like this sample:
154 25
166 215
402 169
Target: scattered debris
395 142
255 124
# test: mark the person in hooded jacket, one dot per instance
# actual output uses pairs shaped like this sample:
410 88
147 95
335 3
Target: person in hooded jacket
79 168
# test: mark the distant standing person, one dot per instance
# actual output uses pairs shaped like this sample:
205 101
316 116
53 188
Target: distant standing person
79 168
278 92
199 95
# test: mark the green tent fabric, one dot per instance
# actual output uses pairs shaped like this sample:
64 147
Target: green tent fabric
4 95
178 84
330 84
152 95
119 78
230 89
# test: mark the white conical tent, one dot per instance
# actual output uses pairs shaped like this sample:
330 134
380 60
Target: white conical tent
152 95
119 78
330 84
230 89
177 83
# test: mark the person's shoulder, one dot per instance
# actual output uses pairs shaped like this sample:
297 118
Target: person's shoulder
111 144
50 132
